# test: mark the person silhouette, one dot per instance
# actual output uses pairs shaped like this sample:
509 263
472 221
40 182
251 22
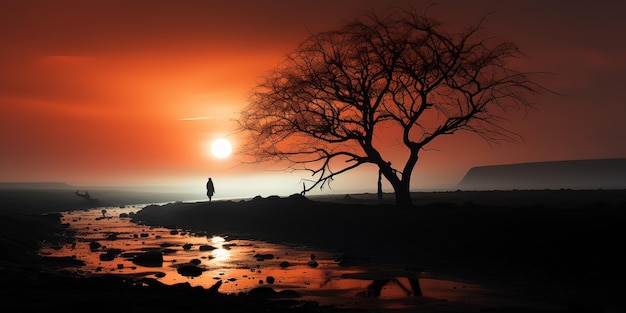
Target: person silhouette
210 189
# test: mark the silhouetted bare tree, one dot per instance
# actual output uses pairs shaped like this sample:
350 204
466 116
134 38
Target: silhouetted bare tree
321 108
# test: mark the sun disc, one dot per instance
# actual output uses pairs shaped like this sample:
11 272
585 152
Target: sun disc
221 148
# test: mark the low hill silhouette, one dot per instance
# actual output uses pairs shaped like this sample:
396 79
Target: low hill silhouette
569 174
36 185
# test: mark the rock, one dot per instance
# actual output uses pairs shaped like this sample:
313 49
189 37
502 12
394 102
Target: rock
189 270
94 245
215 287
110 254
263 257
107 257
149 259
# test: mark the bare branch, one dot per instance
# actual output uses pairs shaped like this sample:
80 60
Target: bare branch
320 109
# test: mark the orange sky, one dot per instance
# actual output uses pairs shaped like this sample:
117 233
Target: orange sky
133 92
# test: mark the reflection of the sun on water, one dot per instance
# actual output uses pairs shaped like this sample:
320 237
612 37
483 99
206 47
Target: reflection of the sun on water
220 255
217 240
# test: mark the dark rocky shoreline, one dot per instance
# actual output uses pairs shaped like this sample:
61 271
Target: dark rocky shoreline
34 283
566 250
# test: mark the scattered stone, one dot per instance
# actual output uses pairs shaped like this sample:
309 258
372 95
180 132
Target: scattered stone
107 257
263 257
110 254
149 259
206 248
189 270
94 245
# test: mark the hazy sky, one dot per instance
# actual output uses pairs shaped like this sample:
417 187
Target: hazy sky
133 92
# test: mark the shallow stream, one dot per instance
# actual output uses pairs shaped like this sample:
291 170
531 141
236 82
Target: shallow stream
242 265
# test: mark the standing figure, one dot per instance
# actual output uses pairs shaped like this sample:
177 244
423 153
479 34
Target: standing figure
210 189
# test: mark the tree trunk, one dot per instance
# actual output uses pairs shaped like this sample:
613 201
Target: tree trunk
403 195
401 186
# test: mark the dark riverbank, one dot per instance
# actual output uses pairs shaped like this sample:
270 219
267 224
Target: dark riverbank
29 282
563 246
545 239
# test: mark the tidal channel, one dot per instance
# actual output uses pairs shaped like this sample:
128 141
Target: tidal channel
241 265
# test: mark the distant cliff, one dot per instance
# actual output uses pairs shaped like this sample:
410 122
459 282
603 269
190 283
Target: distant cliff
573 174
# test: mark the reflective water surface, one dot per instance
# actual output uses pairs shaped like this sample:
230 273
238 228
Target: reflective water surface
241 264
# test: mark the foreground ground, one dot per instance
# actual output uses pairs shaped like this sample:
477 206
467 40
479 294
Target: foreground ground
564 247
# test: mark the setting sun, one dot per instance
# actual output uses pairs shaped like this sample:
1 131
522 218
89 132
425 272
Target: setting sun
221 148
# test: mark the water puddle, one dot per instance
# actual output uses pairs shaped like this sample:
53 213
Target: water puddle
107 242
